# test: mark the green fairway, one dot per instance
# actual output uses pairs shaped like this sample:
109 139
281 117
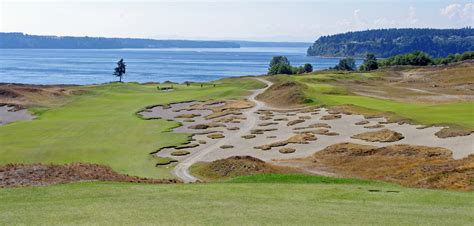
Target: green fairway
101 127
280 200
459 114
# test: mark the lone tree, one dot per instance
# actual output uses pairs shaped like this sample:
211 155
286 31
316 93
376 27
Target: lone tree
279 65
120 69
370 63
346 64
308 68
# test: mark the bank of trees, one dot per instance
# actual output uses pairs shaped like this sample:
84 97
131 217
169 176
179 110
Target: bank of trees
281 65
416 58
390 42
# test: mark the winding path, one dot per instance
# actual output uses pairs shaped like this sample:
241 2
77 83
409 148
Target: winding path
182 169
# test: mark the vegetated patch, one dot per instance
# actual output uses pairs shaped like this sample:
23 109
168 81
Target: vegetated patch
261 131
314 131
236 166
202 142
206 126
384 135
226 146
280 119
300 128
186 146
363 122
284 94
305 117
294 122
215 136
330 117
233 128
296 139
232 118
230 108
250 136
20 175
453 132
376 126
161 161
287 150
264 117
319 125
409 165
207 132
180 153
268 123
187 116
26 95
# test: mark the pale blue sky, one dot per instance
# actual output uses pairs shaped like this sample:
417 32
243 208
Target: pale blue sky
227 19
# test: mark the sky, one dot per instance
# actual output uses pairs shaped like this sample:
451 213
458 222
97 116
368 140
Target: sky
260 20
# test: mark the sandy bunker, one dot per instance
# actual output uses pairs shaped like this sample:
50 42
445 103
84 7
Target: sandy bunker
9 114
267 129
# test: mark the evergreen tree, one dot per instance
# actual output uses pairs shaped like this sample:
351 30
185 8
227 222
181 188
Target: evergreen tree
308 68
346 64
370 63
120 69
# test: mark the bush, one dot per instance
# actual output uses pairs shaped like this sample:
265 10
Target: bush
370 63
346 64
281 65
308 68
416 58
280 69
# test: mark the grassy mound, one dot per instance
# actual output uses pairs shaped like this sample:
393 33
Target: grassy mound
284 94
235 166
409 165
19 175
334 89
384 135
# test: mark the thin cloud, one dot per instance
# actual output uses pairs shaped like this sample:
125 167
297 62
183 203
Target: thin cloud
458 11
412 17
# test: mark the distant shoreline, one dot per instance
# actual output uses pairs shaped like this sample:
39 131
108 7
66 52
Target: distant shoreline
17 40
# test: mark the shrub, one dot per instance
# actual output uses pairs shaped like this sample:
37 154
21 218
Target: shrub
346 64
308 68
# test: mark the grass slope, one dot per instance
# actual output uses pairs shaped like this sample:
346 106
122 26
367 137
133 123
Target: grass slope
101 127
321 93
261 199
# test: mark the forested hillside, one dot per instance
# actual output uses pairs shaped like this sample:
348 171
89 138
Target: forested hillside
24 41
389 42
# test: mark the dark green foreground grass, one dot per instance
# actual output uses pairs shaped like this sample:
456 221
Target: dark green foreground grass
290 199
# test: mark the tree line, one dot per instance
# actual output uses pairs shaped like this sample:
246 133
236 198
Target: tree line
281 65
390 42
416 58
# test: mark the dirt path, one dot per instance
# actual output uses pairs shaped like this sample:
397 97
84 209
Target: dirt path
182 169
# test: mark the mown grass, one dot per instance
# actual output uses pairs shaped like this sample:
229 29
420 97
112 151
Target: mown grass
321 93
102 127
298 178
244 201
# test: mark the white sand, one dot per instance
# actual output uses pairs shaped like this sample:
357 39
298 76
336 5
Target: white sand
8 114
460 146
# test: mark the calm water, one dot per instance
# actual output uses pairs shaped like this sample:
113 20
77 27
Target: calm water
61 66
